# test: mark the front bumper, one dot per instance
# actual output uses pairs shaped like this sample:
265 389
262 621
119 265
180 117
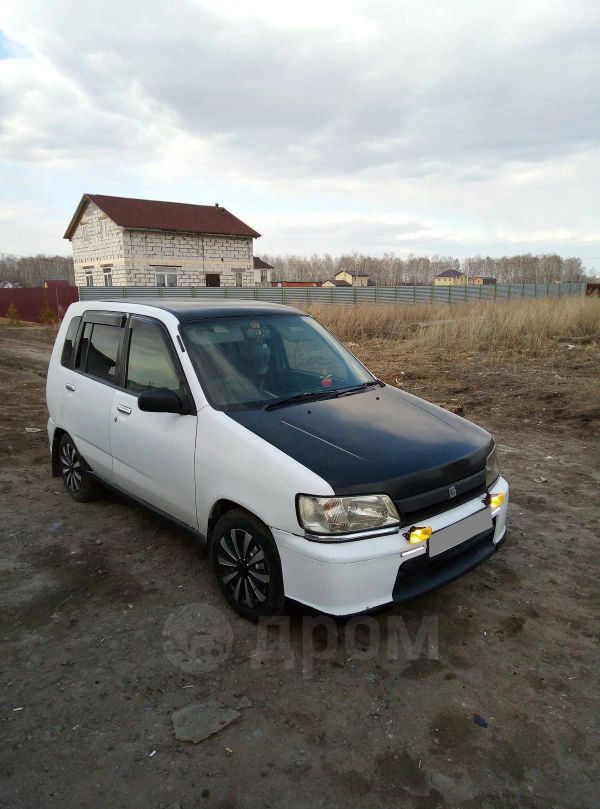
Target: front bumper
350 577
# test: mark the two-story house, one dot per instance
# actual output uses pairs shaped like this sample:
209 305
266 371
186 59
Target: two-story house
118 241
348 278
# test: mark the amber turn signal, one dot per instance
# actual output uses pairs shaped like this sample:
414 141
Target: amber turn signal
495 500
421 534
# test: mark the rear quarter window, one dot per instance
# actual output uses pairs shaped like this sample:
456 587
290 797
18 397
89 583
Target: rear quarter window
69 344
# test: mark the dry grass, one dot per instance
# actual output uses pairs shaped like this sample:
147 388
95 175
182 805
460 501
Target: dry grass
520 325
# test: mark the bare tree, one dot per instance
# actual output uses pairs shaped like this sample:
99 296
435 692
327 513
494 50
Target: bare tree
391 270
32 271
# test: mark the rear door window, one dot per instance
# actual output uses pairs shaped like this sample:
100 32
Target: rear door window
98 351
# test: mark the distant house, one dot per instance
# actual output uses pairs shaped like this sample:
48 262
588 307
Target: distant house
486 280
355 278
450 277
56 283
262 272
138 242
10 285
335 282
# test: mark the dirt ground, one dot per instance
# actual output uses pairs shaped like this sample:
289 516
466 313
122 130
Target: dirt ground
94 596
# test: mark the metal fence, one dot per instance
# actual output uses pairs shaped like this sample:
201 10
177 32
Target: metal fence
341 295
35 304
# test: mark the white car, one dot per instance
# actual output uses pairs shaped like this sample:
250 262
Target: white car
250 424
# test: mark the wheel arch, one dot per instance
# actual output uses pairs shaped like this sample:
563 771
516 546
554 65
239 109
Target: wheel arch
58 434
222 507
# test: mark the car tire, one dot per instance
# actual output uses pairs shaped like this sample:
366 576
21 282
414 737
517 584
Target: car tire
74 471
246 564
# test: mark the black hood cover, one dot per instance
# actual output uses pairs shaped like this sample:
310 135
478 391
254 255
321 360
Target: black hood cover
382 440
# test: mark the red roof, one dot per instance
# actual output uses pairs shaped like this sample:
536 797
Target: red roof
147 214
295 283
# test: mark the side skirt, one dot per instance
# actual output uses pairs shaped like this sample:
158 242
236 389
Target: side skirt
138 501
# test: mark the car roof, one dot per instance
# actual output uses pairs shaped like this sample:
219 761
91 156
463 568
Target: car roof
186 311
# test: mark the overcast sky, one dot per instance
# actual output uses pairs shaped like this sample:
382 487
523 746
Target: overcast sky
453 127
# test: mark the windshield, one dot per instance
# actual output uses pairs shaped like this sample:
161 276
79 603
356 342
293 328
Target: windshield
245 362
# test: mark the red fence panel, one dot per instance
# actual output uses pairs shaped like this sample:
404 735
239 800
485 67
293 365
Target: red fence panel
30 302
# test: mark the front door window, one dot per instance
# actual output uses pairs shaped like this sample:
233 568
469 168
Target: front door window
149 364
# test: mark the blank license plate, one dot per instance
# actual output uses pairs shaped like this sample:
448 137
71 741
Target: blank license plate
453 535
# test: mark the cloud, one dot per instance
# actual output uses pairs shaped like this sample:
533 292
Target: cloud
464 115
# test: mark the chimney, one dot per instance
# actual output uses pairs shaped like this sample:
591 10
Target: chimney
216 204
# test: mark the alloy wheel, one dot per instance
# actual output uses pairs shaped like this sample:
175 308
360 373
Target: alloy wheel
70 465
243 568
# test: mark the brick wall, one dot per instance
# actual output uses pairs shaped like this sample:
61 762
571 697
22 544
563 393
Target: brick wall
98 252
193 255
134 256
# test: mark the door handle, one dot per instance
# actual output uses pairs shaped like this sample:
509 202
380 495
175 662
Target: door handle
68 386
124 409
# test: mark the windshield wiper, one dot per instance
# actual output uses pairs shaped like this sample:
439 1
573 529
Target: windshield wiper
309 396
358 388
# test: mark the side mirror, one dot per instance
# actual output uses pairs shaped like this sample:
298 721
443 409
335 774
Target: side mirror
161 400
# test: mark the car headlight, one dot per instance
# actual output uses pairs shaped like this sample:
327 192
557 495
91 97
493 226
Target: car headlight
492 468
345 515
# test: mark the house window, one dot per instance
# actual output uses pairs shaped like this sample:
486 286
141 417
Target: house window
108 281
239 278
264 276
166 277
85 233
104 229
89 278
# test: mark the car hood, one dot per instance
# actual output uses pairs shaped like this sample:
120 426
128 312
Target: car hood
381 440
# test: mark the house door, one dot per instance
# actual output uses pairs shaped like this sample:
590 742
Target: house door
213 279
